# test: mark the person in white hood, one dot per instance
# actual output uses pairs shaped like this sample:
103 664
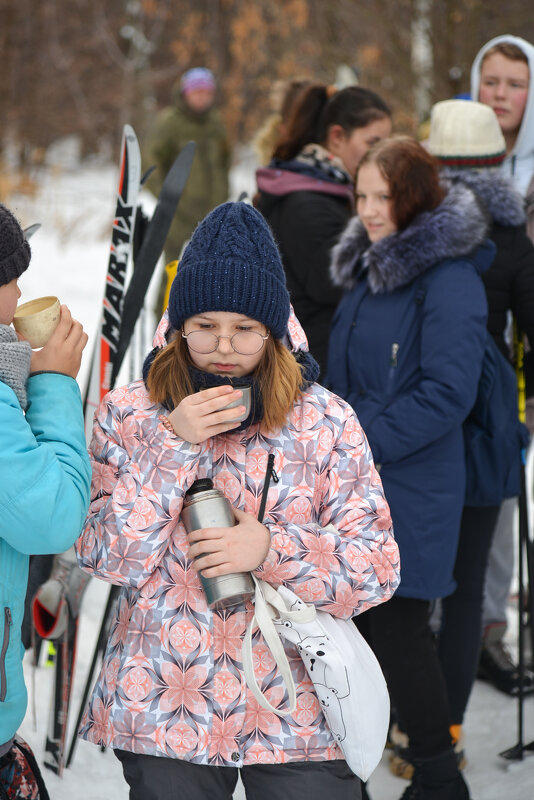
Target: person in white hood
501 77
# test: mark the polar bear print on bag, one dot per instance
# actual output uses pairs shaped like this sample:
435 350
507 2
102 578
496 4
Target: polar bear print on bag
329 686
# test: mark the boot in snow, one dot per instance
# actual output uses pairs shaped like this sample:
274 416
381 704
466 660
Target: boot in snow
401 761
437 778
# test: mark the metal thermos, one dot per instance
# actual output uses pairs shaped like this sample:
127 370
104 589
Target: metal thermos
206 507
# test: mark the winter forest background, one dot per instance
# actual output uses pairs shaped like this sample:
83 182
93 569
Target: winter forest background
85 67
72 72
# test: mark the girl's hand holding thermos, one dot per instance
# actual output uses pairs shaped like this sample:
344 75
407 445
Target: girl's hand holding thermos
240 548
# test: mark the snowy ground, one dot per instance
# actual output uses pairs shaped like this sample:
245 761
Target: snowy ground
69 259
491 727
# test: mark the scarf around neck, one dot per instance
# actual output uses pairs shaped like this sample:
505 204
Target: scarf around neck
15 358
319 157
205 380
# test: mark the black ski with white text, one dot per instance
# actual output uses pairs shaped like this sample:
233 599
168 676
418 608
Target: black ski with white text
98 385
122 238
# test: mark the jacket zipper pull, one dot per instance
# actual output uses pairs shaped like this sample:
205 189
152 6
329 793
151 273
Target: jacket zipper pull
270 474
270 468
394 351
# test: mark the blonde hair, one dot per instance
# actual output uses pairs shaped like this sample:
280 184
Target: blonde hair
279 378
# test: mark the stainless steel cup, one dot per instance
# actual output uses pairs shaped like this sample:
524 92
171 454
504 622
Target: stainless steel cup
241 401
206 507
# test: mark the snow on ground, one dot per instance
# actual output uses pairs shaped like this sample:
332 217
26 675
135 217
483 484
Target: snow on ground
69 259
491 727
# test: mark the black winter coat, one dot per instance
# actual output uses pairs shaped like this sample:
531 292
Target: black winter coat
509 281
307 222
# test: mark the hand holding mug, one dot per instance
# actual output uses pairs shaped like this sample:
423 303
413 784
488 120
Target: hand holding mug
206 413
63 351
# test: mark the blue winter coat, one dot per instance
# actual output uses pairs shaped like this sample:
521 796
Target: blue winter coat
44 496
406 352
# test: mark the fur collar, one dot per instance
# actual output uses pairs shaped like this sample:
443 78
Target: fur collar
504 203
453 229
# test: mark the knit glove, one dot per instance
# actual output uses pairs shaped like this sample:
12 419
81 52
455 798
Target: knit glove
15 357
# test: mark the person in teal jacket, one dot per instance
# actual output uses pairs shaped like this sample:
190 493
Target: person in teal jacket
44 466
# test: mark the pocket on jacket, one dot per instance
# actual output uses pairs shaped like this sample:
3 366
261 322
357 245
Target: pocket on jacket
4 644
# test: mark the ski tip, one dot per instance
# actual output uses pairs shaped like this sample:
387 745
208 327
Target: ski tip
147 174
129 131
30 230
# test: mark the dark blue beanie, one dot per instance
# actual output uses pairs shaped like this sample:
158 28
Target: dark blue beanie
232 264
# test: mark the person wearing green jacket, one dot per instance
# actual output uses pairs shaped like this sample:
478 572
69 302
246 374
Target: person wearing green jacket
190 117
45 476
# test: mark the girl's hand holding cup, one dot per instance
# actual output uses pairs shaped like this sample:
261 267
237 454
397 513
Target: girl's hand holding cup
63 350
206 413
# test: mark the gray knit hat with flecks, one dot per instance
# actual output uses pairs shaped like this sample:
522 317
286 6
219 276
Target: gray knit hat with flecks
15 251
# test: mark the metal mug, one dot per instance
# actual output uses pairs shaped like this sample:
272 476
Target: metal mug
206 507
244 400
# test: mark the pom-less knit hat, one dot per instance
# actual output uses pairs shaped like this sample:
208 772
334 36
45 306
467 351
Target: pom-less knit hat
464 133
15 251
231 264
197 78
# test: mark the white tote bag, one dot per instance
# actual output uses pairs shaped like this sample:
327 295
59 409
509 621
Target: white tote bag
346 676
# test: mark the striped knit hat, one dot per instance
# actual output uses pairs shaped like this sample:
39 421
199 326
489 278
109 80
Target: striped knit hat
232 264
464 133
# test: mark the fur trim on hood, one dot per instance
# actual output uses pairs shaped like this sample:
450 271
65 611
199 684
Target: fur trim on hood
502 201
453 229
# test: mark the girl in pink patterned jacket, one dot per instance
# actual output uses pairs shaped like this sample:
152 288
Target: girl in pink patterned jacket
171 699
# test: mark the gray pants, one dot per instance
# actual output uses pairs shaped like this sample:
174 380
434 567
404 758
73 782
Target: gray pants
154 778
500 567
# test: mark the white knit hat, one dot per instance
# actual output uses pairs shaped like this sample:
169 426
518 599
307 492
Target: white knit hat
464 133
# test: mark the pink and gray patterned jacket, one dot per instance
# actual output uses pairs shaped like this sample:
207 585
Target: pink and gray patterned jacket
172 682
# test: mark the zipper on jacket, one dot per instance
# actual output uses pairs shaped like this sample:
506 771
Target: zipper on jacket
268 475
392 365
5 644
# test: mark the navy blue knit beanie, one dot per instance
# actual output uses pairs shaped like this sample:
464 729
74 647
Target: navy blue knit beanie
232 264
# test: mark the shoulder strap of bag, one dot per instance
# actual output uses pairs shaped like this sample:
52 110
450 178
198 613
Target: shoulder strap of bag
263 619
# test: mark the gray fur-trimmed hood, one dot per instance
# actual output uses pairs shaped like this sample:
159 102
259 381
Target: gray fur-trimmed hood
499 196
453 229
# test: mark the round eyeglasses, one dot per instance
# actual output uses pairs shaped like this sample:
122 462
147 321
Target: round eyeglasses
246 343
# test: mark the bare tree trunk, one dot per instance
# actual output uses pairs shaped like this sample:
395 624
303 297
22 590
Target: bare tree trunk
422 57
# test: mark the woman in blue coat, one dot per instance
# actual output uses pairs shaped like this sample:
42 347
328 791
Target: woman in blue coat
44 473
405 350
